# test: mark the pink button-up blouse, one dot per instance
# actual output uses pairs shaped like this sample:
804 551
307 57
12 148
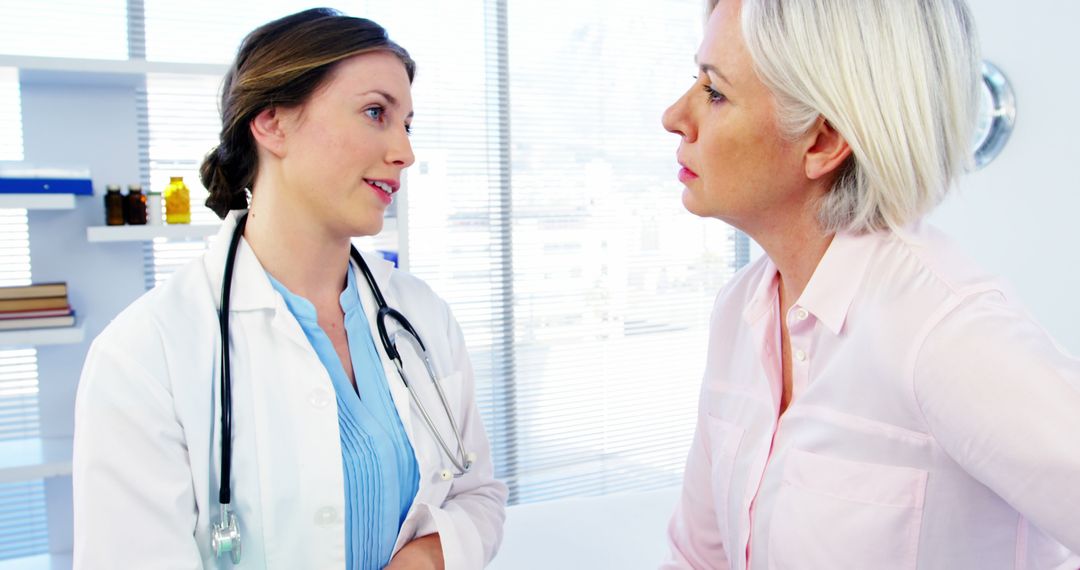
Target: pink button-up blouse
933 424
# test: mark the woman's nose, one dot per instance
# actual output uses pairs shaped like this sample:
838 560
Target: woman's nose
676 119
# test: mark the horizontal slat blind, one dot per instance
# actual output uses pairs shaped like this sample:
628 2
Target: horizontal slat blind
181 125
458 190
612 279
23 529
64 28
582 285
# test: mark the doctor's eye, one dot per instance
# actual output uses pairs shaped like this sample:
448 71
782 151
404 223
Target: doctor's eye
376 113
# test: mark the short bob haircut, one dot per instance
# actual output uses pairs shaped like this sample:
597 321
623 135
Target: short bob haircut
898 79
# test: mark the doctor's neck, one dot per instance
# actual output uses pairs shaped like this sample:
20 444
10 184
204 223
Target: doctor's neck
297 247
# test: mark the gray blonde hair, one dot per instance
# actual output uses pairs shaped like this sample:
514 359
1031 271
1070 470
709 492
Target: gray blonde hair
898 79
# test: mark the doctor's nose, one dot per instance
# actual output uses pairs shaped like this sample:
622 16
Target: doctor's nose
400 152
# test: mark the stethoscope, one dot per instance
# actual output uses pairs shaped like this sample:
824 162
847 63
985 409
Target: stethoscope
226 533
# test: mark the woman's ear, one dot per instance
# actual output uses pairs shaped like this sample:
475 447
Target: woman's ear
827 152
267 129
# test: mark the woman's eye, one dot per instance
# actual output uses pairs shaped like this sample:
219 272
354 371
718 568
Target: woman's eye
376 113
408 129
714 95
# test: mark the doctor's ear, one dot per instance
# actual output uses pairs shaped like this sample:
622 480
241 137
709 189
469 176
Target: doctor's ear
268 130
827 152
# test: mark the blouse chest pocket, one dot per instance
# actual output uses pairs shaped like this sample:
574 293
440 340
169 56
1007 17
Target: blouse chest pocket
835 513
724 440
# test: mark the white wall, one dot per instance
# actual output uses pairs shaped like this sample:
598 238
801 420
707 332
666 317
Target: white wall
1019 216
626 531
96 127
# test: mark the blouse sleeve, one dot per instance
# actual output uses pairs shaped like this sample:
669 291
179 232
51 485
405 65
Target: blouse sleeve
1003 400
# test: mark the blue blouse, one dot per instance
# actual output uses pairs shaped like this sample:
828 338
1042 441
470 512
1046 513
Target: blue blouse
381 474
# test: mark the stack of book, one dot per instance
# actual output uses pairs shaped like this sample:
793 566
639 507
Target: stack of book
38 306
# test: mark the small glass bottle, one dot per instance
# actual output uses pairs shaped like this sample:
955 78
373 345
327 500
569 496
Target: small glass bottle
114 206
177 201
155 213
135 213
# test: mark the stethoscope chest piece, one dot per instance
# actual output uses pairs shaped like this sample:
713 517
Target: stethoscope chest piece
226 536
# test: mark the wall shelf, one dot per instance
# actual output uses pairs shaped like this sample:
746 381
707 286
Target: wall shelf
43 337
34 458
63 70
62 561
149 232
38 201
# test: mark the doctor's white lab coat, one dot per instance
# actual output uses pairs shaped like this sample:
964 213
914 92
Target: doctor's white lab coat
147 433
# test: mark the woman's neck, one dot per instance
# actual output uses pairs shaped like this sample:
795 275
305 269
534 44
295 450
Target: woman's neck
796 246
298 251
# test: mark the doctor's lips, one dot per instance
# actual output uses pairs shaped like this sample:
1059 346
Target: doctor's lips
385 185
383 188
686 175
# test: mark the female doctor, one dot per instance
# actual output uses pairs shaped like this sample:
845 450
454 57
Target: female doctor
335 454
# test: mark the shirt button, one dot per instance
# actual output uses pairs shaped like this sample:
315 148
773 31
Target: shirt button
319 398
801 314
326 516
800 356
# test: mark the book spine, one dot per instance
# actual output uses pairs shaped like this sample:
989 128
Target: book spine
34 291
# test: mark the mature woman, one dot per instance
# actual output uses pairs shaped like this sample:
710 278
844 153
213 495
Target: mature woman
310 451
871 398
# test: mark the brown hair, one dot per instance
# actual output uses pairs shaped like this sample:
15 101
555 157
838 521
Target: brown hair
280 64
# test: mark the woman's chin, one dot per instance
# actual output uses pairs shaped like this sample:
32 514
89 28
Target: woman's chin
694 205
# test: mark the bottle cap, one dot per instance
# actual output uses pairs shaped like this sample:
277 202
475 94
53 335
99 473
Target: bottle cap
113 188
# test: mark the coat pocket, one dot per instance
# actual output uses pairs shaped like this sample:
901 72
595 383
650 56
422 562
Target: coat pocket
835 513
724 440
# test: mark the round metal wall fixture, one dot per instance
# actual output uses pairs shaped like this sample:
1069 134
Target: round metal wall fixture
997 115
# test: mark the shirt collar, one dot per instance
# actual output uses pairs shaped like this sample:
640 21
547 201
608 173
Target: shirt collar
837 279
251 287
832 287
764 296
250 277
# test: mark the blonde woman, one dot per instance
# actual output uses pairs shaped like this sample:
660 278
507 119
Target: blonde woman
872 399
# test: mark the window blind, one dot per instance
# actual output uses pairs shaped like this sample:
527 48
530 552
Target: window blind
544 207
180 124
23 528
64 28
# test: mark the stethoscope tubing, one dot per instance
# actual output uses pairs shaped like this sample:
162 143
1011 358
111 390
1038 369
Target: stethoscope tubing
461 460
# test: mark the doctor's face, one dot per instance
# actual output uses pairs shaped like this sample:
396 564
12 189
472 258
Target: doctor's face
345 148
736 165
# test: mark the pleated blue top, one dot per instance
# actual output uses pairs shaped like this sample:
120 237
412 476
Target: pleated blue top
381 475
